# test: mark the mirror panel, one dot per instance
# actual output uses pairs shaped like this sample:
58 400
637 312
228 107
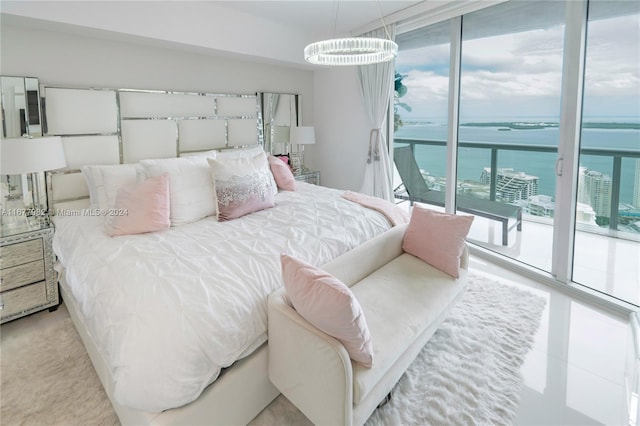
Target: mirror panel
280 111
34 114
20 107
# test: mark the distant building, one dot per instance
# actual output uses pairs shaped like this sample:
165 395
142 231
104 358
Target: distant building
539 205
543 205
511 186
594 189
585 214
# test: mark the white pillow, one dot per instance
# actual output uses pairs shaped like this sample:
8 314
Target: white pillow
246 152
104 182
226 153
242 185
209 154
249 152
192 195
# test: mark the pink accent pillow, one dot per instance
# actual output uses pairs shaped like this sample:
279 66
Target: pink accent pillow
282 173
329 305
437 238
142 207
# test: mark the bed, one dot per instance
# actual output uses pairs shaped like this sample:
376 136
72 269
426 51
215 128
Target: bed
175 321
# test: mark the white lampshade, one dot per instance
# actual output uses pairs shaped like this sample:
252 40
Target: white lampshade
303 135
24 155
280 134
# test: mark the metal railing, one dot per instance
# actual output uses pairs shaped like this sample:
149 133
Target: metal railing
616 154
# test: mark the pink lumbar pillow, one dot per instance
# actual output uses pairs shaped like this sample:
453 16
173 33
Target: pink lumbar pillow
282 173
329 305
142 207
437 238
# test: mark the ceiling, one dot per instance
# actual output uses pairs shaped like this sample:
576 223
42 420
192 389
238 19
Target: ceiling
271 31
319 18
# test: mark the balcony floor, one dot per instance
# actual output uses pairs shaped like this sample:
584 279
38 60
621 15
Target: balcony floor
602 263
606 264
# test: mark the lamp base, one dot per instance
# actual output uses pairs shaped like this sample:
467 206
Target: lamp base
295 161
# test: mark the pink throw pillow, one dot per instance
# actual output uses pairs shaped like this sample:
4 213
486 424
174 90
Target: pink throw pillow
437 238
142 207
282 173
329 305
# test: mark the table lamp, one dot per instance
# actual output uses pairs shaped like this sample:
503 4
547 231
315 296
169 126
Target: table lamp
31 156
303 135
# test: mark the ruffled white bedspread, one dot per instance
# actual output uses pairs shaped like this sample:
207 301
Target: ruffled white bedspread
169 309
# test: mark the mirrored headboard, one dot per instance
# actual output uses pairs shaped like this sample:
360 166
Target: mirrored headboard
115 126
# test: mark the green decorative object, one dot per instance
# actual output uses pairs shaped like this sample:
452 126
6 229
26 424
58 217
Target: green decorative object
399 91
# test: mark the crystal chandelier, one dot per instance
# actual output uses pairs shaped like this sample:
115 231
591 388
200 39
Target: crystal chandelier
351 50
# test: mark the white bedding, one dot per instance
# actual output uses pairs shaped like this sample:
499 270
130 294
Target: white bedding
169 309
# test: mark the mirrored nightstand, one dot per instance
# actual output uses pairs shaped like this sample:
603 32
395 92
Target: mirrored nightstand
27 279
309 177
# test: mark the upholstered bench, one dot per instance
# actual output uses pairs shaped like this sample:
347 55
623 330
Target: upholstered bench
404 300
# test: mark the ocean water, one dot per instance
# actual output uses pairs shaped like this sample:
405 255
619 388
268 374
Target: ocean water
471 161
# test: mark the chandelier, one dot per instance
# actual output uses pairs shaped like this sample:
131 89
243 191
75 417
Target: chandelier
351 50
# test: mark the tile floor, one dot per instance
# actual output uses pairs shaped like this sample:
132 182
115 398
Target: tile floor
581 368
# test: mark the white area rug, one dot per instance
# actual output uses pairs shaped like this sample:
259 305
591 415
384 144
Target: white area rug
468 373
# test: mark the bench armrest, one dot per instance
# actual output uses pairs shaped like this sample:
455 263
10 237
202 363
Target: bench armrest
464 259
312 369
368 257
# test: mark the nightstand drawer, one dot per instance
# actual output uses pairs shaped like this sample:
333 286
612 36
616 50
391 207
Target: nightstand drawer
21 299
19 253
22 274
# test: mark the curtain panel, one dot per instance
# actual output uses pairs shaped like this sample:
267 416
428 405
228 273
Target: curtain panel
376 83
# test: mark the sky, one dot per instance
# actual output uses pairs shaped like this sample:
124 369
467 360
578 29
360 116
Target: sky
519 74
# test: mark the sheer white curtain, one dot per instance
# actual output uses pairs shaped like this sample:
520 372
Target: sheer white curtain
376 84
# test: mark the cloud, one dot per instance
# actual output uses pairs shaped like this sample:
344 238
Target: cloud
433 58
613 61
526 67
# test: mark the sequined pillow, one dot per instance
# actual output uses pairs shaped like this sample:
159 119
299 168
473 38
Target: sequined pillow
242 185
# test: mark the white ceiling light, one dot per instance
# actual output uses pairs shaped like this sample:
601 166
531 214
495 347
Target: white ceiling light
351 50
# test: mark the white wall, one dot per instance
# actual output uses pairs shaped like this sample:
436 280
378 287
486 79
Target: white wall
342 130
201 24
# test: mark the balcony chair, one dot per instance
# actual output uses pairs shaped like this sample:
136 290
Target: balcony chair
417 191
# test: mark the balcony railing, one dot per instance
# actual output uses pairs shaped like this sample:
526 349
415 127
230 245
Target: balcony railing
617 155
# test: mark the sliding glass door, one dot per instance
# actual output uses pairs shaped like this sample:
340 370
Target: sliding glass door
510 84
545 98
606 249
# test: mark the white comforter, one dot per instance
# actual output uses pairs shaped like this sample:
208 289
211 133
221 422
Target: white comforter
169 309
